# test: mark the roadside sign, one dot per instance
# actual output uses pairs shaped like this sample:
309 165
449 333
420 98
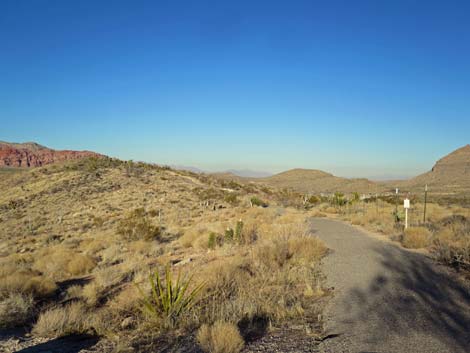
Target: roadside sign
406 204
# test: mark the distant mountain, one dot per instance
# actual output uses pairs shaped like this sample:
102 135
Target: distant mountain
317 181
450 174
247 173
188 168
31 154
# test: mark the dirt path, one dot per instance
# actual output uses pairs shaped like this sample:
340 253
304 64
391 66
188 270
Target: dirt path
388 299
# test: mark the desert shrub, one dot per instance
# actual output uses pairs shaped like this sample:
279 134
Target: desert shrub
191 235
62 321
245 233
307 249
215 240
338 199
26 282
451 244
221 337
313 200
80 264
282 265
229 235
15 309
169 300
59 262
355 197
231 198
104 281
331 210
416 237
136 225
238 231
255 201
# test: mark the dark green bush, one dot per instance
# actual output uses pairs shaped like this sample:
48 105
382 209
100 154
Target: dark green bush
255 201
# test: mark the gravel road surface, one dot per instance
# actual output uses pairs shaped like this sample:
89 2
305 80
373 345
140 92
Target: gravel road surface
388 299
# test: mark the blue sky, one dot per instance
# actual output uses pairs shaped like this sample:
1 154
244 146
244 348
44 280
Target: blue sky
357 88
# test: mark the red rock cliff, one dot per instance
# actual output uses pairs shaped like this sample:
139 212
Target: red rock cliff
27 155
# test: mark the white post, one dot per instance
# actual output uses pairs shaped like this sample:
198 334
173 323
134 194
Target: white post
406 218
406 205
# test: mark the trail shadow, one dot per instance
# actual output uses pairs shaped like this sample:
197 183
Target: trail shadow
69 344
415 295
253 328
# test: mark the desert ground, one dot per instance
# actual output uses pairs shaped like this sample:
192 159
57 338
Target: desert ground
103 255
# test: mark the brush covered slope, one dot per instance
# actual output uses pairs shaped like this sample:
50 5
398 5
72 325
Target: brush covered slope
316 181
79 240
450 175
31 154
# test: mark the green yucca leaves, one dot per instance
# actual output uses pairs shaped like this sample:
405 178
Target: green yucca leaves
169 300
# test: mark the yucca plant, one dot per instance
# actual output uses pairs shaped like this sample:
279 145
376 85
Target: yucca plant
169 300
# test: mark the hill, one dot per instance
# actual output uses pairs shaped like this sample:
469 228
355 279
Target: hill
76 237
31 154
310 181
450 175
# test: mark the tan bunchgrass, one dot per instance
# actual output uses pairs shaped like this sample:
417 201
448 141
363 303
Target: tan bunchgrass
62 321
416 237
221 337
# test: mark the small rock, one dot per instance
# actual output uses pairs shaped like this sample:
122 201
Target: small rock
127 323
184 262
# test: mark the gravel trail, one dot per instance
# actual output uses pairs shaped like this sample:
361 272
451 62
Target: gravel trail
388 299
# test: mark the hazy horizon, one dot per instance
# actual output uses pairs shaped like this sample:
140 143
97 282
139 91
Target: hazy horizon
363 89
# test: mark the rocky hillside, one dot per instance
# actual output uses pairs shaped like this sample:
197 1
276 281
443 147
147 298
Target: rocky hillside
450 174
30 154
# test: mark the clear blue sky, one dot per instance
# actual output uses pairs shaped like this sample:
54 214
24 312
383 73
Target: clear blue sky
358 88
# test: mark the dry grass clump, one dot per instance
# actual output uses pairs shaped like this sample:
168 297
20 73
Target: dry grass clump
15 309
331 210
137 225
16 276
451 243
62 321
221 337
59 262
282 266
416 237
80 264
191 235
104 281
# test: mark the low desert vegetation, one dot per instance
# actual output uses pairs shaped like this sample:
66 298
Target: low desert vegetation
221 337
146 253
445 233
416 237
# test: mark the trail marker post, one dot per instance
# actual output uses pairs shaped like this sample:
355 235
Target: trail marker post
396 203
406 205
425 202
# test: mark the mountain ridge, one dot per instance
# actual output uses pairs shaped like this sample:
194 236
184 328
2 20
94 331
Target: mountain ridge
32 154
